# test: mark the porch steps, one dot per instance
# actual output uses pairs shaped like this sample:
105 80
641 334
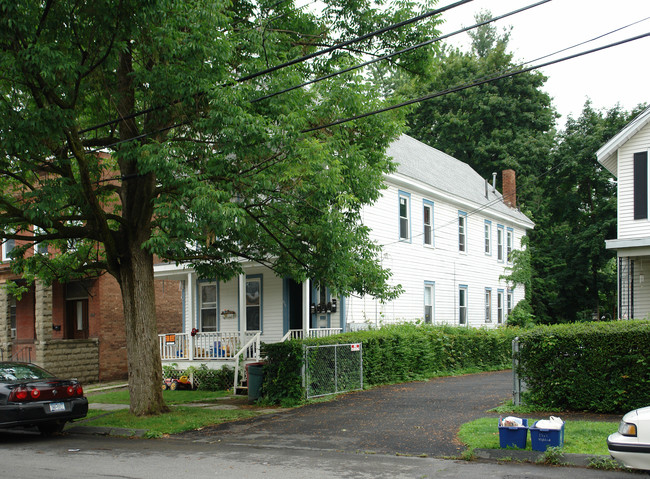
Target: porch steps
242 389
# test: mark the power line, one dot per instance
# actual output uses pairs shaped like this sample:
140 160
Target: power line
473 84
295 61
399 52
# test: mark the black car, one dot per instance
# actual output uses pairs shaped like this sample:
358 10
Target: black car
31 396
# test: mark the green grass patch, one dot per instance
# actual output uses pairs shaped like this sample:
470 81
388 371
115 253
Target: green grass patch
171 397
179 419
580 437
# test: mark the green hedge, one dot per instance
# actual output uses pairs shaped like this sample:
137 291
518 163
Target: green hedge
598 367
395 353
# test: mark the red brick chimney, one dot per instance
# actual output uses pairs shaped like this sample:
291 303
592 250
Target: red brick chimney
509 188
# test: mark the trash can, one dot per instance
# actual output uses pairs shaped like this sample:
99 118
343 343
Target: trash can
513 436
543 438
255 375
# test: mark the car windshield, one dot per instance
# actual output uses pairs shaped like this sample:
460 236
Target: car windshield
22 372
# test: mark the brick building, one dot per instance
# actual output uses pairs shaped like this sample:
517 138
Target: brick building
76 329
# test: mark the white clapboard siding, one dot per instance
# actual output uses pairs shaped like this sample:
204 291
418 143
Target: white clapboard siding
628 227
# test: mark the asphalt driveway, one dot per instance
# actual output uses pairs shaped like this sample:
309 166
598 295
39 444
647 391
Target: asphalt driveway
419 418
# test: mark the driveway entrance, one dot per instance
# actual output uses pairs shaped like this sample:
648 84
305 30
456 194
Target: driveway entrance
412 418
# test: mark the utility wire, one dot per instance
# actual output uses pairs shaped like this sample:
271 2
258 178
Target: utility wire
295 61
473 84
399 52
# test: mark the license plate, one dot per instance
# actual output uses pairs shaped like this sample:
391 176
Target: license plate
57 407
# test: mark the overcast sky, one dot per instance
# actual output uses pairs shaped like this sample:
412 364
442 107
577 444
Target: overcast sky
618 75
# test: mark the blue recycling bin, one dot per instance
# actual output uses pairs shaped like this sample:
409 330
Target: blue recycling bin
513 436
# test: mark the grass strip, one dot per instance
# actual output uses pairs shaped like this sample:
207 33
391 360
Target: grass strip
170 397
580 437
179 419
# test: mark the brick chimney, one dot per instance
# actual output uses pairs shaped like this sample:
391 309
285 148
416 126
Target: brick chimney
509 188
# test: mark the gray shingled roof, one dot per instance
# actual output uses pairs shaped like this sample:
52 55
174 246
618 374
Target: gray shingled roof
445 173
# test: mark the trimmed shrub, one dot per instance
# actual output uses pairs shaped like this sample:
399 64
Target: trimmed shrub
394 353
598 367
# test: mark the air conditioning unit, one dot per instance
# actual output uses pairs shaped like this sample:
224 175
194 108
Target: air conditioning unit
13 333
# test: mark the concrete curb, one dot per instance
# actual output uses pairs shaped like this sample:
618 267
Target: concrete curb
107 431
514 455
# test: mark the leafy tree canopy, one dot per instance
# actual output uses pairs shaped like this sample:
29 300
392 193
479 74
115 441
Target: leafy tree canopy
126 131
507 123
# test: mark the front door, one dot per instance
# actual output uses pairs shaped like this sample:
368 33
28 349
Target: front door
323 307
76 312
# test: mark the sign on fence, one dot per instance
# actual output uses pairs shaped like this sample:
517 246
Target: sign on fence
332 369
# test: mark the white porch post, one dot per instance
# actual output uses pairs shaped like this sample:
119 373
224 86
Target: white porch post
306 314
190 315
242 309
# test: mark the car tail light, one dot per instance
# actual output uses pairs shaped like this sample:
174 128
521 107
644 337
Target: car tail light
34 393
18 394
75 390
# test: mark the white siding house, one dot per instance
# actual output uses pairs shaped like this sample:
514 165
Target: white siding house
446 236
626 157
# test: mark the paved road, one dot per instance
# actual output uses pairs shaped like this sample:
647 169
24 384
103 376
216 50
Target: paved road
29 456
420 418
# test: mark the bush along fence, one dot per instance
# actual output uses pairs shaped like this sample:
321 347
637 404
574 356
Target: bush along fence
202 378
394 353
598 367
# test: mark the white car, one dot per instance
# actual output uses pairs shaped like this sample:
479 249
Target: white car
631 444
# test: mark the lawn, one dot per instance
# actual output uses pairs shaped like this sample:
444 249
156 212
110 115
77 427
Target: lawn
180 418
580 437
171 397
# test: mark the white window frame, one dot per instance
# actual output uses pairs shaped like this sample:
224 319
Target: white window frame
254 279
463 306
488 305
510 239
462 232
404 225
430 301
500 316
208 306
500 243
488 238
40 248
510 300
427 227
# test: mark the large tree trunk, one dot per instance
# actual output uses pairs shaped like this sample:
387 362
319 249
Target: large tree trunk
143 355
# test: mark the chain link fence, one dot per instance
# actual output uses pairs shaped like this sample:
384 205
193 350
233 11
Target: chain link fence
333 369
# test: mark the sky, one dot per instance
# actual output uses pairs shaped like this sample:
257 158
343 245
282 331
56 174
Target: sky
619 74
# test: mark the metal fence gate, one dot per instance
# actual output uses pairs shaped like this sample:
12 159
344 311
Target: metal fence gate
332 369
518 384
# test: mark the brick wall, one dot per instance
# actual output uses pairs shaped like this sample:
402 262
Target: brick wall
71 358
107 314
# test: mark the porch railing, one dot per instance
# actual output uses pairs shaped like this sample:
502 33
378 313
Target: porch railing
312 333
252 349
206 346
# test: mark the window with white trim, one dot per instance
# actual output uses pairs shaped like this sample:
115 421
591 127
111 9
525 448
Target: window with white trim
509 242
462 232
488 305
462 304
208 308
500 306
253 304
41 247
500 232
427 220
8 246
404 216
488 237
509 304
429 301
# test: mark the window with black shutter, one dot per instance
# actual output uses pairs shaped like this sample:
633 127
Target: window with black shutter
641 185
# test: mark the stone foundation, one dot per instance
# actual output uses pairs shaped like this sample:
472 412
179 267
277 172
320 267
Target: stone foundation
70 358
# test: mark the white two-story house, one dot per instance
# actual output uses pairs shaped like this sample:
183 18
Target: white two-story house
626 157
446 235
